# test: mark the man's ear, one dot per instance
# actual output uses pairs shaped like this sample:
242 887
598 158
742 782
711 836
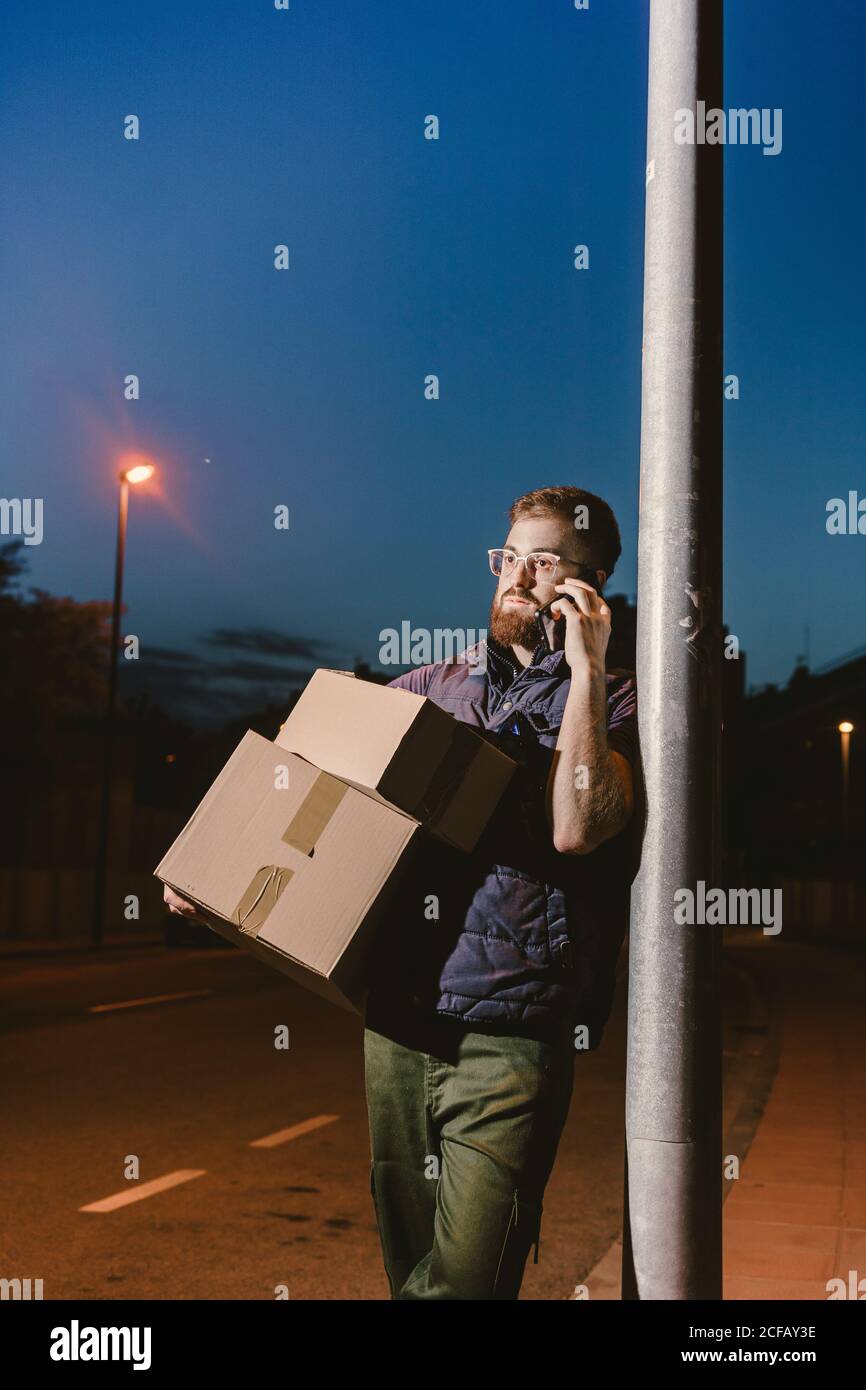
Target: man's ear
601 577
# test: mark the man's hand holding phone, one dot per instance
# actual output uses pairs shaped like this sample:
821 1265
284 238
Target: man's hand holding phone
587 624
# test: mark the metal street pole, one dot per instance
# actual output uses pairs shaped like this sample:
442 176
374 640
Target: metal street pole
672 1246
108 743
845 731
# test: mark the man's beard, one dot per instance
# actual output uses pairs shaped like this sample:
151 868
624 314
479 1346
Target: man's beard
513 626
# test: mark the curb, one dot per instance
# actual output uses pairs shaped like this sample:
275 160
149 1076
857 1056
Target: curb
604 1280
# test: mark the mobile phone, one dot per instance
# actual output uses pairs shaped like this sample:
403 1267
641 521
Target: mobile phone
546 624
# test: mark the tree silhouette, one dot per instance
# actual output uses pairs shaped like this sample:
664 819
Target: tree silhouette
53 666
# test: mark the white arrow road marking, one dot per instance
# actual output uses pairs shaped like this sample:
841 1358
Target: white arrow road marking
270 1140
145 1189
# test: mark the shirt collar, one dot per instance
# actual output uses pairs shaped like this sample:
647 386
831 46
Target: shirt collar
507 668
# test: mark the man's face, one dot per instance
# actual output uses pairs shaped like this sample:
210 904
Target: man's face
512 611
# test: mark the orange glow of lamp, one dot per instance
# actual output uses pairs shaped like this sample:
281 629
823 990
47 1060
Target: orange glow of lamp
138 473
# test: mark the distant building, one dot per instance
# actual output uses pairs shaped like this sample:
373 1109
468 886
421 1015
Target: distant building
790 772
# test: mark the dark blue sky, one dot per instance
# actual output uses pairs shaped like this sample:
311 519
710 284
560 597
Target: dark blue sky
408 257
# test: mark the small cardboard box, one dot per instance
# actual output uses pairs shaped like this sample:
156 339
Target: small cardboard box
293 864
402 749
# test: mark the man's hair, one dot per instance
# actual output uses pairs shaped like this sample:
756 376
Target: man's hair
600 533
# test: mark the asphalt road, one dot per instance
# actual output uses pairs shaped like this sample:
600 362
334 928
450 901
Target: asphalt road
188 1085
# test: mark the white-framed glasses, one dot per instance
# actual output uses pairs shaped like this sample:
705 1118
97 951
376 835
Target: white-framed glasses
540 564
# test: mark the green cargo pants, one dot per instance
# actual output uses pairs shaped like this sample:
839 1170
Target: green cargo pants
462 1145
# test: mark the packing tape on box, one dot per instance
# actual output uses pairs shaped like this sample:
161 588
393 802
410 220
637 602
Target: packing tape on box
260 897
314 812
312 816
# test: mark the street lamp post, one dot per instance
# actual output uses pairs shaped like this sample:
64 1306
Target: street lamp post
672 1246
846 729
138 473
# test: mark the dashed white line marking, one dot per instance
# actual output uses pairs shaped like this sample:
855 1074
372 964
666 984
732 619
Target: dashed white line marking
151 999
280 1137
144 1189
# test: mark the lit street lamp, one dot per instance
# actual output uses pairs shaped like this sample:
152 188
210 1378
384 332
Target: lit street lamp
136 473
846 729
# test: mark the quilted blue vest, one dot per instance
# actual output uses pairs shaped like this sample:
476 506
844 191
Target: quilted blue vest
514 936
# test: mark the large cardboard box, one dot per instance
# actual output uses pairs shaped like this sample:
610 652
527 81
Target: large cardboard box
402 749
293 864
296 849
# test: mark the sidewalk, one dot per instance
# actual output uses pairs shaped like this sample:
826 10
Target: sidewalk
796 1217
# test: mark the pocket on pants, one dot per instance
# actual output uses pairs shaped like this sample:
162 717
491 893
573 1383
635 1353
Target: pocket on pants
523 1231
